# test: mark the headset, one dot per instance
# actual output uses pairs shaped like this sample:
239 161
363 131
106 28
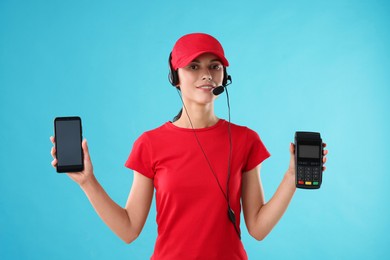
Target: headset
173 78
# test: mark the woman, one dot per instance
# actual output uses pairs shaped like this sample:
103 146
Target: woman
201 167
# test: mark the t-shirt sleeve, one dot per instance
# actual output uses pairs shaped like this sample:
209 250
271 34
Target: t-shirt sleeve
140 158
256 151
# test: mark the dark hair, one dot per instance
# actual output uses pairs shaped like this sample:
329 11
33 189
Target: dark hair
178 115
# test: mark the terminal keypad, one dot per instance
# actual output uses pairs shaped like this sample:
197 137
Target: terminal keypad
308 173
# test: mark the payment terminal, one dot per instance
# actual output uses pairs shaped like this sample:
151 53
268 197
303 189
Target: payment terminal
308 160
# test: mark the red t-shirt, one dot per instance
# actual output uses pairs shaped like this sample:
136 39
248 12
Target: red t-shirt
192 214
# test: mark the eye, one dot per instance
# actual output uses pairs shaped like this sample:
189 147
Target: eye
216 66
193 67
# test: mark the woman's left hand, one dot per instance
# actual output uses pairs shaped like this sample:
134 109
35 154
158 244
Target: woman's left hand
291 167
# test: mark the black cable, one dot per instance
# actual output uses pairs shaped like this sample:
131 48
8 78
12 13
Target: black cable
230 148
230 212
205 156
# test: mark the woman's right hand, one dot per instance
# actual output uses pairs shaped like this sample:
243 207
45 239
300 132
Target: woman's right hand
79 177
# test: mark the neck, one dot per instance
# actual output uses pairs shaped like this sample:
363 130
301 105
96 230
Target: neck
201 117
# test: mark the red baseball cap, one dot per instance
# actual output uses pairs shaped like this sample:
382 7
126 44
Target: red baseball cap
190 46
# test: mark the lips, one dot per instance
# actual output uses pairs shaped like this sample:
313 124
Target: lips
207 87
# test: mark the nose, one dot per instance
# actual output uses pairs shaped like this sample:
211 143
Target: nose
207 75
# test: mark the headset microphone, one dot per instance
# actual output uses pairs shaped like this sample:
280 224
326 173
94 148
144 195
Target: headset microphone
220 89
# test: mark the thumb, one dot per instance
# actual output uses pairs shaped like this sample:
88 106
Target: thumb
292 156
292 149
85 150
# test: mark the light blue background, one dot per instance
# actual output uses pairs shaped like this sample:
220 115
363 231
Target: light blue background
296 65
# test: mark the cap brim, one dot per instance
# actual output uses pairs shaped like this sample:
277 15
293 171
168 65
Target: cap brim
187 60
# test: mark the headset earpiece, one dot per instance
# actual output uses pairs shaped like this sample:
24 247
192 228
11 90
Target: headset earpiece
173 76
225 77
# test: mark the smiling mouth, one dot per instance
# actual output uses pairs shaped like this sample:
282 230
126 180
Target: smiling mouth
209 87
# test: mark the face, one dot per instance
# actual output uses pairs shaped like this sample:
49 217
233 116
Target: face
198 79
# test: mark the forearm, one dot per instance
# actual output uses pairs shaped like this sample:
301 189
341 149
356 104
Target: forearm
271 212
115 217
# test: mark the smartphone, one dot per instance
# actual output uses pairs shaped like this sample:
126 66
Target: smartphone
308 160
68 137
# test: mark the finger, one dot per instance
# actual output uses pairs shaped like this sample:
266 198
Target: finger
323 168
292 155
54 163
53 152
325 152
323 144
84 144
324 160
52 139
292 148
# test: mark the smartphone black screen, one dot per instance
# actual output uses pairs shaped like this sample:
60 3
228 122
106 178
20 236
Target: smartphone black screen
68 138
